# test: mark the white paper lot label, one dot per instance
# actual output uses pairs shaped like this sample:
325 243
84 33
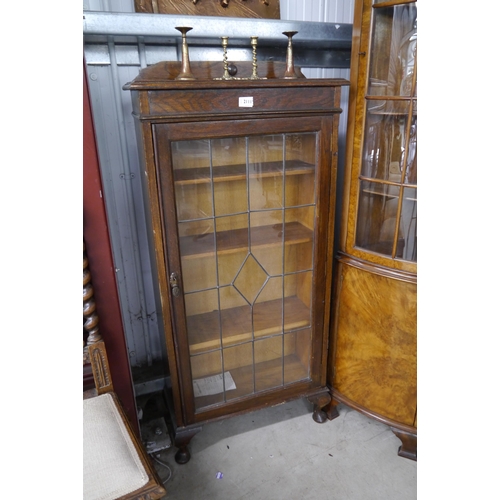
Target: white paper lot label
246 102
213 385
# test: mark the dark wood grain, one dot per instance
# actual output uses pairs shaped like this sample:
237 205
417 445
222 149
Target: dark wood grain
226 101
288 360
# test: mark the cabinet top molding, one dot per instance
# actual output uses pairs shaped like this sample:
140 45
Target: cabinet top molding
162 76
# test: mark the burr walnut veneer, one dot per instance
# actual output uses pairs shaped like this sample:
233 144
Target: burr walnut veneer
239 178
372 358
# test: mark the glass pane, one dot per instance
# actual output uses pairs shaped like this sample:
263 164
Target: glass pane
229 263
230 197
193 191
232 234
203 322
300 167
191 160
265 168
297 304
208 382
411 167
236 317
238 361
196 242
268 363
393 51
229 166
300 151
408 226
266 240
384 144
198 274
377 212
268 309
299 239
228 157
297 356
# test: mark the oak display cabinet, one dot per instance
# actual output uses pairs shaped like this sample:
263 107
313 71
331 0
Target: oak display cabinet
372 362
239 178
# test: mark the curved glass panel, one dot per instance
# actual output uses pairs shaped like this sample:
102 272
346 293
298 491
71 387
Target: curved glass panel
386 217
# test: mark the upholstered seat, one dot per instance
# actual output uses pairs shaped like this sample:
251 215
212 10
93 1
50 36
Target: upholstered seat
115 462
111 465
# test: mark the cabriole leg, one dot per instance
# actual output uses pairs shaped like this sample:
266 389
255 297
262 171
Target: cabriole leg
182 439
408 448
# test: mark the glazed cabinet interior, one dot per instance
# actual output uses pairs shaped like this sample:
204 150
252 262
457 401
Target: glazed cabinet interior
242 255
242 207
373 357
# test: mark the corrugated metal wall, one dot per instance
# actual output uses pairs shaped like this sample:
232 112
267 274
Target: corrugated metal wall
109 68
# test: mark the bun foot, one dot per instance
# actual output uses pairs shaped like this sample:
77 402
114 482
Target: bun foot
183 436
320 401
183 455
319 416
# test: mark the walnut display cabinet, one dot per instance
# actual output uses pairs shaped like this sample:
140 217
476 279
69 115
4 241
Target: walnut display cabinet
372 362
239 177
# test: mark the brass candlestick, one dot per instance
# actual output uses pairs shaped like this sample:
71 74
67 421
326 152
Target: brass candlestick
253 43
290 70
185 73
226 75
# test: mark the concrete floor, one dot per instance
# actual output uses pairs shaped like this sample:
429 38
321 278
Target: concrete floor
281 453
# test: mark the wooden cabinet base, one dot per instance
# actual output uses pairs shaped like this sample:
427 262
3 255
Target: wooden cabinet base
406 433
408 448
183 435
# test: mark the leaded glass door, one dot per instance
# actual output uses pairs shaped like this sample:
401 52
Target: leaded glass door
244 256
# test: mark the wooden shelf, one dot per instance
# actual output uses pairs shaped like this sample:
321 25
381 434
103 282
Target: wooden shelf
379 193
387 195
204 329
268 376
203 245
201 175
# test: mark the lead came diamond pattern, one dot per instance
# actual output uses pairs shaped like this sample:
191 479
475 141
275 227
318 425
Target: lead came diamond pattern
250 279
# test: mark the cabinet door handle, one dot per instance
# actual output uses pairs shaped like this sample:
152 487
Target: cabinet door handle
174 285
